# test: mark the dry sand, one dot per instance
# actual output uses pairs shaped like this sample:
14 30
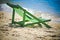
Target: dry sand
26 33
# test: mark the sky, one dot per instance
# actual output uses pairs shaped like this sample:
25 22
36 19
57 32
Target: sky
47 6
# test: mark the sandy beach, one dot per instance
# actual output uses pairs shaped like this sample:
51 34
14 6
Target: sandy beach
26 33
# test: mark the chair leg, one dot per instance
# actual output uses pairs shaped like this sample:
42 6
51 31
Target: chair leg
40 25
47 25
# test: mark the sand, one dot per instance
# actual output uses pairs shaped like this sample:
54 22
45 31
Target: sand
11 33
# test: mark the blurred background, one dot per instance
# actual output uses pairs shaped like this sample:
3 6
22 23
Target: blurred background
48 9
